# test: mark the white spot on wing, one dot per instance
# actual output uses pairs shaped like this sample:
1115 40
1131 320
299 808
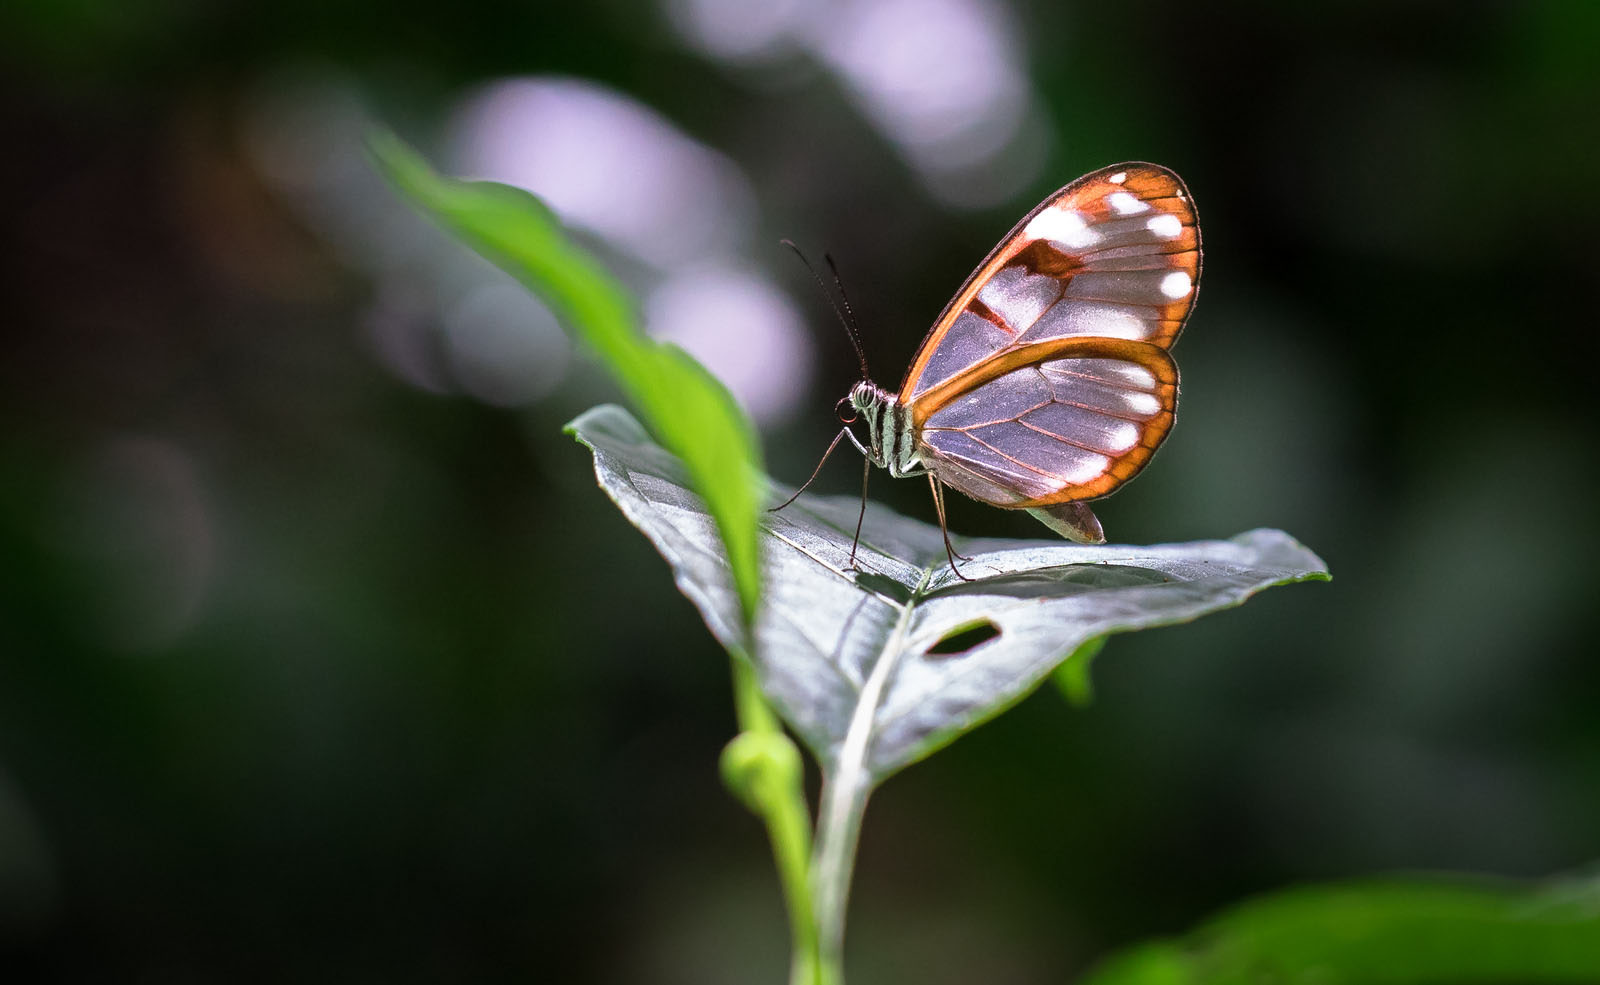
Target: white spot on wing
1118 178
1116 325
1096 318
1126 204
1143 404
1018 297
1062 226
1137 376
1166 225
1085 469
1122 436
1176 284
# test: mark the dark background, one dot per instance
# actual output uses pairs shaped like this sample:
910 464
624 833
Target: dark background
321 656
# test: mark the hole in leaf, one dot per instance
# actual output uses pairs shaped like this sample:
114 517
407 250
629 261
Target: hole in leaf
964 639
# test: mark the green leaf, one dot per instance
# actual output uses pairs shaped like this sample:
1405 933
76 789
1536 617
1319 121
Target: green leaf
1072 677
1414 932
852 657
686 407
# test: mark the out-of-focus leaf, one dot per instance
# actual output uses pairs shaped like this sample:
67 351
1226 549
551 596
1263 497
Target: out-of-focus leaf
1072 677
1384 933
868 663
686 407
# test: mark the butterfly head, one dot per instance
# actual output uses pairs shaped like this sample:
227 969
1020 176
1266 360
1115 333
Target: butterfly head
869 402
864 396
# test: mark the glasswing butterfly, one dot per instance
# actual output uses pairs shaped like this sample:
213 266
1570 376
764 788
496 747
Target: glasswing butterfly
1047 380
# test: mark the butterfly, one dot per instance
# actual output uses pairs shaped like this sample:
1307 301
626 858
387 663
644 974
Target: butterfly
1048 380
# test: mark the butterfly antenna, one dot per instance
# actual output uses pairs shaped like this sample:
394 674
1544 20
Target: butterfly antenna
848 322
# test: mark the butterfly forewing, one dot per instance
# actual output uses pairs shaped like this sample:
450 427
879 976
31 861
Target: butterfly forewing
1115 254
1046 380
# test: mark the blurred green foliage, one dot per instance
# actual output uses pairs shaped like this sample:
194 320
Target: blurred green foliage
1074 678
310 667
687 407
1384 932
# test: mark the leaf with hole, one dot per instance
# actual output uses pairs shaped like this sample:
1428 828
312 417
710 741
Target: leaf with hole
876 666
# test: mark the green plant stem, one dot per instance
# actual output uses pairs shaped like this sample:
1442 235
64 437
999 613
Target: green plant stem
781 802
844 801
749 705
838 831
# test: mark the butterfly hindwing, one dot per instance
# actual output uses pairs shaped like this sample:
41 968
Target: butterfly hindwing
1075 418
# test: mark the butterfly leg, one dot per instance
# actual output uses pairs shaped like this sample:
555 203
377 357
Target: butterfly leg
817 471
944 528
938 505
866 473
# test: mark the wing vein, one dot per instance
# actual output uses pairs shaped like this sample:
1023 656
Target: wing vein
1106 413
1016 461
1068 441
998 420
1096 379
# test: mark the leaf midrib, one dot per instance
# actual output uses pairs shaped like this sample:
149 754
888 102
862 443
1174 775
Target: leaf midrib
859 734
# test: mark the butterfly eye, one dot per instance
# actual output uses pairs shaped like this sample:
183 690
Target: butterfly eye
846 411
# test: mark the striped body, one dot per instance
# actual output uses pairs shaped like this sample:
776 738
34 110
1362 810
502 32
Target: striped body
890 443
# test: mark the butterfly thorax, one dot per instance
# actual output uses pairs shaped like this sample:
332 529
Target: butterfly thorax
889 438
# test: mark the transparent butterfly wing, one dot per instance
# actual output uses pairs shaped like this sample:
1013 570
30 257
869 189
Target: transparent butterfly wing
1112 255
1115 254
1060 337
1073 423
